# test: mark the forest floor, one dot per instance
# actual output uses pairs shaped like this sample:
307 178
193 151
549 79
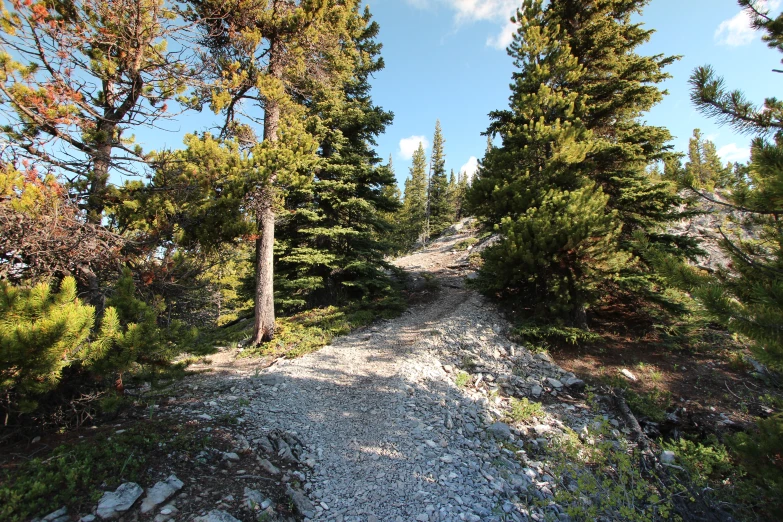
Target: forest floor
433 416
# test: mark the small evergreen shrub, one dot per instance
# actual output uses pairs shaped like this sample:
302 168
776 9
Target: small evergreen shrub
41 332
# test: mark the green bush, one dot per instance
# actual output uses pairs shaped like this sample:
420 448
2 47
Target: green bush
761 454
41 332
74 475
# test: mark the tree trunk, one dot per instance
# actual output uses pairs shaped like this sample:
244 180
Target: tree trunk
580 317
96 197
264 327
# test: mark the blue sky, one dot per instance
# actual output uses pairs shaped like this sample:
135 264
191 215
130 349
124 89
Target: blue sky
445 59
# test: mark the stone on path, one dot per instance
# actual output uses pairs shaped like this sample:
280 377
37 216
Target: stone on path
500 430
113 503
160 493
216 515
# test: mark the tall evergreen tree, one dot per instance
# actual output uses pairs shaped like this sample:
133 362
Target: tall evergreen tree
460 210
594 87
621 85
559 240
440 211
414 206
703 169
277 56
334 237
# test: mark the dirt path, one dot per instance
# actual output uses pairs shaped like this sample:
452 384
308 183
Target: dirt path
389 435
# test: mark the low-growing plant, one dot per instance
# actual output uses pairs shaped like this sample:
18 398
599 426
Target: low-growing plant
74 475
544 334
468 363
465 244
523 409
461 379
601 480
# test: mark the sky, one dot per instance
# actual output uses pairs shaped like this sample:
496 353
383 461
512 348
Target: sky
446 59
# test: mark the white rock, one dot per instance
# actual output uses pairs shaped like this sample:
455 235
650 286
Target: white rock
668 457
115 502
628 375
160 493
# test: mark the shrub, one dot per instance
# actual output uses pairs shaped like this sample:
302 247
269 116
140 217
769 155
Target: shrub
522 410
41 332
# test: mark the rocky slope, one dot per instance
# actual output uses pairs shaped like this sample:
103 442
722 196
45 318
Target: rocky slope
407 420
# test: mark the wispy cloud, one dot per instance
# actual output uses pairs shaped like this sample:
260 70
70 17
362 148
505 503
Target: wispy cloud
409 145
471 167
732 152
470 11
737 31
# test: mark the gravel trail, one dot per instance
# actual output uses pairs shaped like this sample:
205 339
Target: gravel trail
389 435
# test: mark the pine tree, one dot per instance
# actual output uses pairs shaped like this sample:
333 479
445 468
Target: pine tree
396 232
261 56
559 239
460 209
88 71
703 170
414 207
334 235
452 194
749 298
440 212
621 85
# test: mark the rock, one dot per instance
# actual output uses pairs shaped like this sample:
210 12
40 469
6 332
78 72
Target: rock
216 515
268 467
269 379
554 383
112 504
500 430
61 515
253 499
231 456
536 390
668 457
576 385
542 429
265 445
628 375
301 503
87 518
160 493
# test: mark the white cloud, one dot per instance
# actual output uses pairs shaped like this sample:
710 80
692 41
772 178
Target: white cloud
409 145
471 167
504 38
737 31
470 11
732 152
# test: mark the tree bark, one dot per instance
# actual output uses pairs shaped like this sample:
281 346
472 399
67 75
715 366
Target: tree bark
264 327
96 197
